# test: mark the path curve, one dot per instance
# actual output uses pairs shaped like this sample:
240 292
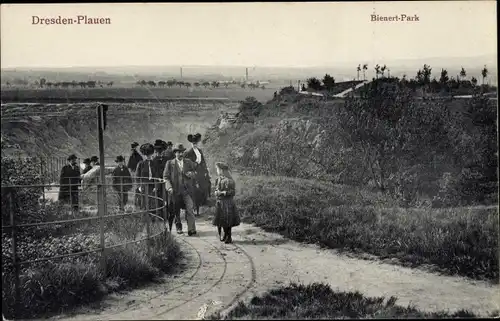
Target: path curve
216 276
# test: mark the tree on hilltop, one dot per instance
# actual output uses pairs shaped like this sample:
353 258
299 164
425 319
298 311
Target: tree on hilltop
365 67
328 82
484 73
382 70
358 70
443 79
314 83
463 73
377 70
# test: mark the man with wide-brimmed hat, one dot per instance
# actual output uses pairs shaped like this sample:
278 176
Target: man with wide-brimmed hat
179 176
122 181
145 178
203 184
70 181
87 167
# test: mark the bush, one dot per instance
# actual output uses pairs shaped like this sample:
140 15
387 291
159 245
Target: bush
57 285
52 288
336 217
21 172
319 301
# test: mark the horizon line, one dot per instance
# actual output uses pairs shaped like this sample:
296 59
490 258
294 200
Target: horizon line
244 66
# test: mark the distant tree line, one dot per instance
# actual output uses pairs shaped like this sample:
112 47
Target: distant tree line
43 83
197 84
423 79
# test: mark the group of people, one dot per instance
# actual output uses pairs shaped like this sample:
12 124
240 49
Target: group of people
187 183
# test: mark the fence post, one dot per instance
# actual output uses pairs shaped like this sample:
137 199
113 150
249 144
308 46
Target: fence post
14 255
147 216
43 180
100 209
165 207
102 184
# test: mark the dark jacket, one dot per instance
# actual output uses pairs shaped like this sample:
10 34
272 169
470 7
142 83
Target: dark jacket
172 173
159 166
86 169
202 177
70 175
142 173
122 179
133 161
191 155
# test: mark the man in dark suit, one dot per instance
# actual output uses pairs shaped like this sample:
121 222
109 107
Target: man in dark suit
179 175
122 181
133 160
70 181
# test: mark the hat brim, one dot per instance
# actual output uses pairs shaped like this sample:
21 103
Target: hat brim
178 150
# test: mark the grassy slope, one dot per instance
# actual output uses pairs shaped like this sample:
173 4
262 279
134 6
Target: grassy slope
319 301
59 285
457 241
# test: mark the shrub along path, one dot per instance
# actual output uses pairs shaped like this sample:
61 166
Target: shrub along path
215 276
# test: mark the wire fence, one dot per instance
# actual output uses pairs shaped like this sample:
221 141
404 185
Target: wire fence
50 167
74 220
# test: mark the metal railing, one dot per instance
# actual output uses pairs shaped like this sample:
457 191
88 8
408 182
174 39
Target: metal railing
153 205
50 167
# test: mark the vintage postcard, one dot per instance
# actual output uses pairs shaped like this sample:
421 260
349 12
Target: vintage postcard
260 160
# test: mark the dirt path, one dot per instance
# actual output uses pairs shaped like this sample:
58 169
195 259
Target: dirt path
215 276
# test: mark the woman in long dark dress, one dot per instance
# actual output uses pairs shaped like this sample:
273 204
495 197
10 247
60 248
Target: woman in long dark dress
226 213
145 178
195 154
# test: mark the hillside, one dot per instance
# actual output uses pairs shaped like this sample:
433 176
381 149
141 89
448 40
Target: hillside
57 130
300 136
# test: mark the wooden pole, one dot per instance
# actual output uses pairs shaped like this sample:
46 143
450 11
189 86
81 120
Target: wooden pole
102 199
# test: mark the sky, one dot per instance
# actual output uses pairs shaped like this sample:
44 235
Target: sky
245 34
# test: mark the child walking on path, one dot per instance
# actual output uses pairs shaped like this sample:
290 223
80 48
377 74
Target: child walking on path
226 213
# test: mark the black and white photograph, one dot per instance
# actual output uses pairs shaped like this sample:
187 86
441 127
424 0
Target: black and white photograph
249 160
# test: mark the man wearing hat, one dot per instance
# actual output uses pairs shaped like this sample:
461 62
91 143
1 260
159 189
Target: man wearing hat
145 178
179 176
122 182
94 161
87 167
195 154
133 160
69 181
